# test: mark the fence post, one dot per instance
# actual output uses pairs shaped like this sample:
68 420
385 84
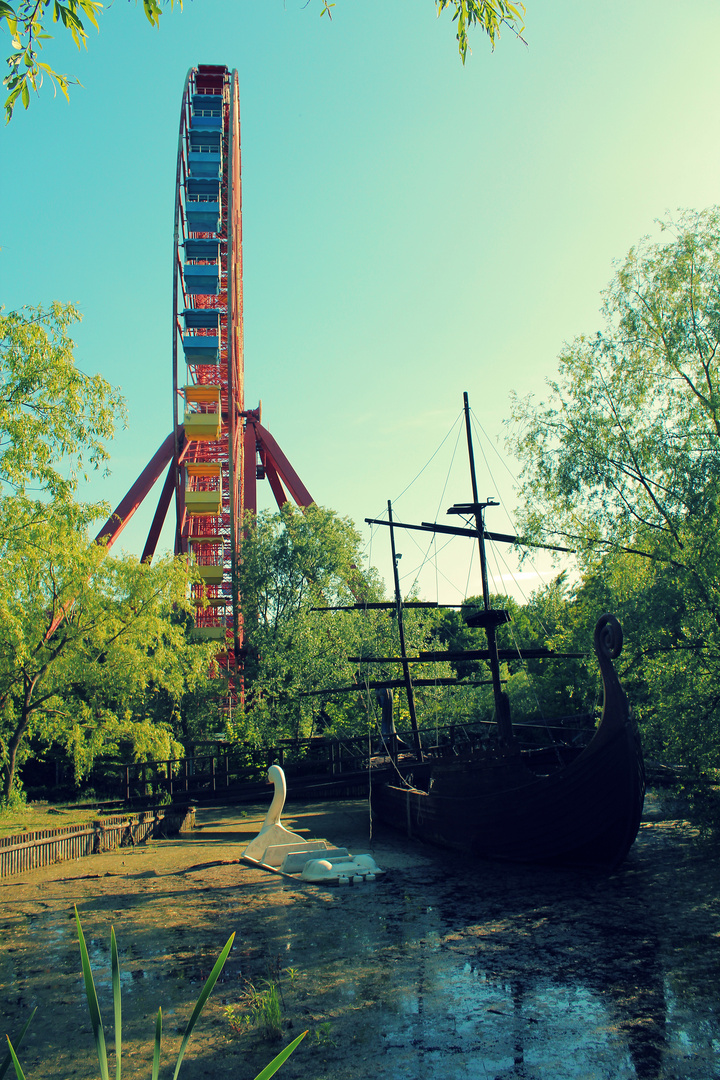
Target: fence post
227 770
212 773
127 783
170 778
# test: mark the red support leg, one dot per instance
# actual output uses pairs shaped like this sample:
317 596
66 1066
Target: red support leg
292 481
249 479
160 514
127 506
274 482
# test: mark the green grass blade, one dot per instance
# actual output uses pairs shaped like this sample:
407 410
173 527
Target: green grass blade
158 1040
282 1057
200 1004
18 1071
8 1057
94 1008
117 1002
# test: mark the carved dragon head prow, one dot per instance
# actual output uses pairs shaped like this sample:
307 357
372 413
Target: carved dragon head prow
608 646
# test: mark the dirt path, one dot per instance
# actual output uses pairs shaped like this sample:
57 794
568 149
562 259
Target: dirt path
437 969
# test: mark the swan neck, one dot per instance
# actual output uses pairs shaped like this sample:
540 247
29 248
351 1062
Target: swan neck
276 776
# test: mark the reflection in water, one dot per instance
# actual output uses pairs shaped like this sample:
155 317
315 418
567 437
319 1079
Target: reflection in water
632 977
564 976
500 1029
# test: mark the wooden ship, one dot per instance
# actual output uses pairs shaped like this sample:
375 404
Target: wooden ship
560 803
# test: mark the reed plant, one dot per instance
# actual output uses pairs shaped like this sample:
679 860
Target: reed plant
99 1031
264 1008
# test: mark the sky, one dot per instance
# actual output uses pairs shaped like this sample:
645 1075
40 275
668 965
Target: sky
412 228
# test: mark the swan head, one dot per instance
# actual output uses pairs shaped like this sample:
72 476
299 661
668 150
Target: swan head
276 776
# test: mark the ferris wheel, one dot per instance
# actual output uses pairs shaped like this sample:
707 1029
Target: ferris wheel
217 449
207 353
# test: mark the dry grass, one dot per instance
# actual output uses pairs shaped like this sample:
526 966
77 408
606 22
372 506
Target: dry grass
41 816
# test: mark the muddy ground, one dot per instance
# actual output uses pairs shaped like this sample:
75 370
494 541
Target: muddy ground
439 968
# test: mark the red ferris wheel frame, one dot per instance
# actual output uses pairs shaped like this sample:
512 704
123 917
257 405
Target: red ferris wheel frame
217 449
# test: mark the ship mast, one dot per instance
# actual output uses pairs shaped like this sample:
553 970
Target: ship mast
489 618
401 632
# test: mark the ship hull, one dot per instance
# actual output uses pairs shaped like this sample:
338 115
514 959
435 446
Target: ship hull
585 811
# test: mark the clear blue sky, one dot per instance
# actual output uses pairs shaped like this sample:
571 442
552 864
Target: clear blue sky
412 228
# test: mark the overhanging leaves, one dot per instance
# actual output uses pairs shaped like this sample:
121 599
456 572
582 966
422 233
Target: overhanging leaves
490 15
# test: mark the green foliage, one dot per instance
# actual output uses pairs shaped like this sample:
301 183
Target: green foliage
26 25
624 452
546 689
296 558
99 1031
293 562
670 661
260 1009
322 1035
623 461
90 685
489 15
14 802
539 690
54 419
93 650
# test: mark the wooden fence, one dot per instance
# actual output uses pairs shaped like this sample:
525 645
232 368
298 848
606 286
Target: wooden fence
320 766
207 775
43 847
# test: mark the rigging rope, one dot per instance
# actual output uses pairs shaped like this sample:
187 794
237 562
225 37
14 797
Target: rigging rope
482 438
433 455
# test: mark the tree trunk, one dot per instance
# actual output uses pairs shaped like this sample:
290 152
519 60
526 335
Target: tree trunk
17 736
13 747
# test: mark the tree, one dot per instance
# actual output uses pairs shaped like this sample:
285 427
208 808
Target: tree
623 463
54 419
119 665
121 641
625 452
670 664
294 562
26 24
